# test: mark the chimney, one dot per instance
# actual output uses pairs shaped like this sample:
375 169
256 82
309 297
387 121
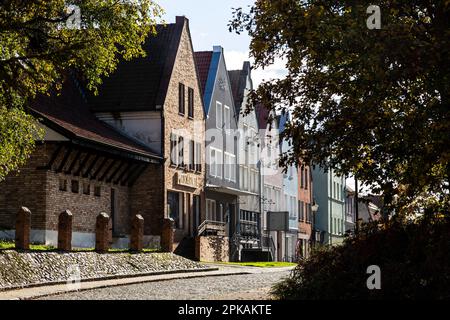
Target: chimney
181 19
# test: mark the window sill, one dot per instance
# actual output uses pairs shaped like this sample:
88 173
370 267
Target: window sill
181 114
190 118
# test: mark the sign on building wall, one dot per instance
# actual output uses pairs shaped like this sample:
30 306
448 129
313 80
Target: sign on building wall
278 220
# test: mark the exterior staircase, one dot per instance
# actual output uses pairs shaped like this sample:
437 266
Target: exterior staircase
186 248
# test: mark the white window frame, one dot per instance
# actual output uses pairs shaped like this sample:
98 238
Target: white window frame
219 115
227 118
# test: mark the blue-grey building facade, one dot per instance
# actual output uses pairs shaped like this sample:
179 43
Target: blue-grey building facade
329 194
221 149
290 194
246 240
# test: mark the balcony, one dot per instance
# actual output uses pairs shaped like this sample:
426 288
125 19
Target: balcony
209 227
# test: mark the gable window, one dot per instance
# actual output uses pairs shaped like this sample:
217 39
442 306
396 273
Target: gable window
191 103
180 151
198 157
219 121
173 149
215 162
230 167
227 117
181 99
192 155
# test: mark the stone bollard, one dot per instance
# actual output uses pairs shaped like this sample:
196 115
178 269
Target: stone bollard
65 231
137 233
23 227
167 235
102 233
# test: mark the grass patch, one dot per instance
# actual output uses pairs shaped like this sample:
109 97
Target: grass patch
265 264
9 245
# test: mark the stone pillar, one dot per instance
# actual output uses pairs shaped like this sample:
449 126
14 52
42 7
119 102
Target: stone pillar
23 227
167 235
65 231
137 233
102 233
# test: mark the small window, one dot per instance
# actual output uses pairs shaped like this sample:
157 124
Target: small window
191 103
181 99
97 191
75 186
62 185
227 117
219 121
86 188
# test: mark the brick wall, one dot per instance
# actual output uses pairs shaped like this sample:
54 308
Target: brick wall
212 248
147 199
194 129
25 188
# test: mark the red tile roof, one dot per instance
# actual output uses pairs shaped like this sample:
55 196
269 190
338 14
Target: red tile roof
69 114
203 62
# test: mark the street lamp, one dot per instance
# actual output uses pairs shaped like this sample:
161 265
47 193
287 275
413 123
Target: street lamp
314 208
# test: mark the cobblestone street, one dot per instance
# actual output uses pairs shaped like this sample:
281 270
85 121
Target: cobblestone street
233 287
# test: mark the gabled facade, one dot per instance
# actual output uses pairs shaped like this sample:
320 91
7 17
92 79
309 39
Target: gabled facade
329 194
84 166
157 101
247 239
290 194
221 147
305 214
271 179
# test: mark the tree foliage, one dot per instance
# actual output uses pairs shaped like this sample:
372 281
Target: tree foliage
412 256
41 40
375 103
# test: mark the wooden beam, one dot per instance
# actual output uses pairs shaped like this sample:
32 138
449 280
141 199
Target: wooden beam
100 167
108 169
131 172
91 166
115 172
82 164
53 158
64 160
73 162
137 174
125 171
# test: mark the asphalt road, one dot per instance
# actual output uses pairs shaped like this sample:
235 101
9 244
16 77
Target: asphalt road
231 287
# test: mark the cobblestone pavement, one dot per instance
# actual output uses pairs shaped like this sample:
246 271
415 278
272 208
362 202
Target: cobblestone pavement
232 287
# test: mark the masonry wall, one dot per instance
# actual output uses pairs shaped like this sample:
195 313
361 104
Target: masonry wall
212 248
25 188
184 71
147 199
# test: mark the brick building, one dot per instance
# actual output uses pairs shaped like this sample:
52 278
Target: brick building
81 165
157 101
305 214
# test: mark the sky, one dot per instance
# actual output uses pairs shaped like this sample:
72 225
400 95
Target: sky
208 21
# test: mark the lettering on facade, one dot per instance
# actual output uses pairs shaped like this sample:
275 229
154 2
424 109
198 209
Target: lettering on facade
186 180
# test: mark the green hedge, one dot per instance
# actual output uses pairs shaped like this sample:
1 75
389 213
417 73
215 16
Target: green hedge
414 258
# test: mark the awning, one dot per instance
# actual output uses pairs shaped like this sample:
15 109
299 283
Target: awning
229 190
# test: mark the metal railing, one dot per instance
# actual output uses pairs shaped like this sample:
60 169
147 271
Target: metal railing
212 226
